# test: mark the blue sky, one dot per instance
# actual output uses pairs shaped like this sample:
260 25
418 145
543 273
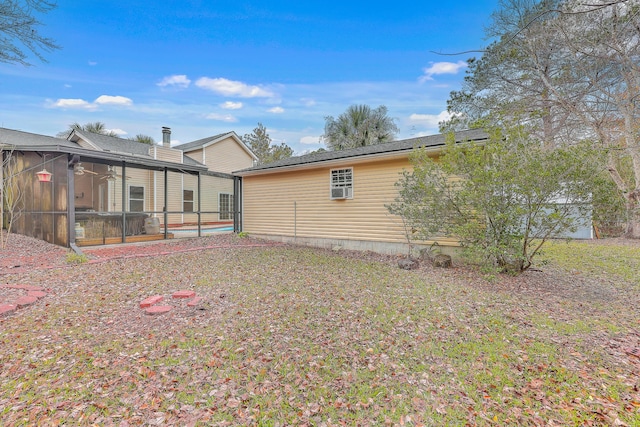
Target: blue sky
204 67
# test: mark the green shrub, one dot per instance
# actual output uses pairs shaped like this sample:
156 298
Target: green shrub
74 258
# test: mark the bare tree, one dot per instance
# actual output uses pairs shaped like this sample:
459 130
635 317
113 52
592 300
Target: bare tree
19 30
569 70
11 192
604 48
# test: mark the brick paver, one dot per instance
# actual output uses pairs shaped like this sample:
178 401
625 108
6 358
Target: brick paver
148 302
158 309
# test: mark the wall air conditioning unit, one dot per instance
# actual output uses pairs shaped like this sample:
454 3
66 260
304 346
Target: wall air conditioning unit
339 193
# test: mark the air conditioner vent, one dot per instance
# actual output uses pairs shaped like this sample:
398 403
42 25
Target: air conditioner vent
338 193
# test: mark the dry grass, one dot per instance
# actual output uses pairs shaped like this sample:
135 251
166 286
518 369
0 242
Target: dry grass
298 336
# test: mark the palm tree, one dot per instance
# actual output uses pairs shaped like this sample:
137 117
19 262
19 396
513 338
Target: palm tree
93 127
145 139
359 126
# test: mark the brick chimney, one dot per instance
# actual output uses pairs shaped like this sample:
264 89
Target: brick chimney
166 137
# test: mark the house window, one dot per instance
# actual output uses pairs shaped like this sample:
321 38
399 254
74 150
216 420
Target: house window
342 183
226 206
187 200
136 198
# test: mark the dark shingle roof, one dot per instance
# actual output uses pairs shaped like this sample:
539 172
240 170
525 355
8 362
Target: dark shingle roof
42 143
19 138
187 146
115 144
386 148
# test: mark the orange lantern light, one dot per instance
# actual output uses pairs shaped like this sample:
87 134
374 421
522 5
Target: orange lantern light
44 175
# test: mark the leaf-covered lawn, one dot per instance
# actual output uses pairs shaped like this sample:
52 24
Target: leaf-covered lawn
299 336
612 258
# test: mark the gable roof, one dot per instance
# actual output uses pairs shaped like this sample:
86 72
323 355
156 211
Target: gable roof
20 139
205 142
201 143
110 143
389 148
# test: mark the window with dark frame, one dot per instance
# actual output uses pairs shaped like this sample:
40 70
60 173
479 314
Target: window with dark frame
187 200
226 206
341 184
136 198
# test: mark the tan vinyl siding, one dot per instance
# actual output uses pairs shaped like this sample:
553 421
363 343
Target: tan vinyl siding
166 154
156 200
196 155
270 202
137 177
297 204
226 156
175 198
84 144
211 186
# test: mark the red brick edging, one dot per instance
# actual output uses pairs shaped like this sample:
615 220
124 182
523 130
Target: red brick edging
34 293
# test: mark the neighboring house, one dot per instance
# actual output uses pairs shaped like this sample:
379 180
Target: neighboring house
335 198
101 182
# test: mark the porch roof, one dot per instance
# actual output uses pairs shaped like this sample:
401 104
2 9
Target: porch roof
25 141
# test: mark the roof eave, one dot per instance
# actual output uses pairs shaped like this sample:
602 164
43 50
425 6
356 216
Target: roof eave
146 162
397 154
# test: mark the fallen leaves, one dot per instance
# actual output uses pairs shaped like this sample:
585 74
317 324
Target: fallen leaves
310 337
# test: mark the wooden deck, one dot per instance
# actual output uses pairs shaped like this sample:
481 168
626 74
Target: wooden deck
116 240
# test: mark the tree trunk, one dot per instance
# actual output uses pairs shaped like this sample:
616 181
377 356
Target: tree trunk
633 215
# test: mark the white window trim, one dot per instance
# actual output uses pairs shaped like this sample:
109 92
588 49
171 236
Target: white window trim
331 187
144 197
220 207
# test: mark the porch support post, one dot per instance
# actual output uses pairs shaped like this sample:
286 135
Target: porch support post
71 204
166 203
124 202
199 207
237 203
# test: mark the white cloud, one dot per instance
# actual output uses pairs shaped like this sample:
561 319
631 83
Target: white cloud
85 105
117 131
113 100
308 102
276 110
430 120
179 80
93 63
310 140
229 105
227 87
74 103
222 117
437 68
